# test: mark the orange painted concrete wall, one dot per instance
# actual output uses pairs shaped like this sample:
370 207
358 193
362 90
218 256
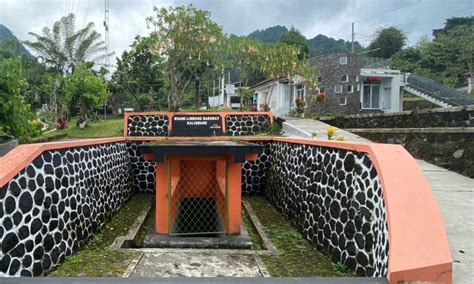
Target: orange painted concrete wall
419 248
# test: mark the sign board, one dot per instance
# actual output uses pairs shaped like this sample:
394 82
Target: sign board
230 89
196 125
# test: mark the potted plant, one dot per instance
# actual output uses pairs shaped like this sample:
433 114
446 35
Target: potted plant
300 104
7 142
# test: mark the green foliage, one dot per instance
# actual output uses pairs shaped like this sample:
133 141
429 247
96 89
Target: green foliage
295 38
97 258
63 48
138 74
321 44
293 249
16 117
9 42
271 34
388 41
84 90
274 130
300 105
446 59
191 43
341 268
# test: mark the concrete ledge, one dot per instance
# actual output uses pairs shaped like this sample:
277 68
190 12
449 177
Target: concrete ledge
435 110
413 130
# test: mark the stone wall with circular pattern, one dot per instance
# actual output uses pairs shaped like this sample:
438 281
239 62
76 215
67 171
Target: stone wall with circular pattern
143 173
334 198
240 125
147 125
51 208
253 172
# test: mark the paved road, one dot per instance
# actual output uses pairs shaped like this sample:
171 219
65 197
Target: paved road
454 192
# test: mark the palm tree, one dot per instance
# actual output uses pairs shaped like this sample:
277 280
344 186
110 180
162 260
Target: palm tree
63 48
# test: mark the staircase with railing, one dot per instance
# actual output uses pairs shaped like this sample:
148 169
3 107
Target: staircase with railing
435 92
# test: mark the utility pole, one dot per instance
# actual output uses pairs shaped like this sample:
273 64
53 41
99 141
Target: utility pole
106 35
352 42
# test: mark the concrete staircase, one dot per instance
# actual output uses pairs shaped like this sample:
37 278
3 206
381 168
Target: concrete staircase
435 92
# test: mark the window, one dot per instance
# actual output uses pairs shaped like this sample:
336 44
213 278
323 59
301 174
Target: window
357 78
358 87
321 90
345 78
350 88
320 79
343 101
343 60
300 92
338 89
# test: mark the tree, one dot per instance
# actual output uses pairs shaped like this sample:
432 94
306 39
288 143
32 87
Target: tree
387 42
295 38
139 71
454 51
448 58
84 90
63 47
16 117
273 60
190 42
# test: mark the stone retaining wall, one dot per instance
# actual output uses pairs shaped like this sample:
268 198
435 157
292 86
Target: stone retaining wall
450 150
446 117
53 206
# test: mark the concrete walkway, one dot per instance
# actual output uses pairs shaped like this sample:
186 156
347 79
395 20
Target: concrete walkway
196 264
454 192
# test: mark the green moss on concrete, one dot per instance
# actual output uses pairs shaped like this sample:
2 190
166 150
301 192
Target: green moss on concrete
97 258
257 242
296 256
140 236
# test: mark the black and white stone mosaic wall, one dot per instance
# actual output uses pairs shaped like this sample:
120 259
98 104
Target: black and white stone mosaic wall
240 125
143 172
53 206
147 125
334 197
253 172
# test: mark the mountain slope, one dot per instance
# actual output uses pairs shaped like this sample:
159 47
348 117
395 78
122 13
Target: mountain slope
8 41
271 34
318 45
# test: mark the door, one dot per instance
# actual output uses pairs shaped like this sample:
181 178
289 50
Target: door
371 96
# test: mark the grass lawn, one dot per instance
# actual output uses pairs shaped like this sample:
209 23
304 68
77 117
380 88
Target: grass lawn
97 258
102 128
296 256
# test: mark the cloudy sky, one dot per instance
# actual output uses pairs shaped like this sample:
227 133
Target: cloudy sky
330 17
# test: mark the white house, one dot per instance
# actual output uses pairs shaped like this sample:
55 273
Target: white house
278 95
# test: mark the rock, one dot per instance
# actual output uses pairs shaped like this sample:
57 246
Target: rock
458 154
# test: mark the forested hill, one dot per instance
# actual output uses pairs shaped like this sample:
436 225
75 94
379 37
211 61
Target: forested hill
8 41
318 45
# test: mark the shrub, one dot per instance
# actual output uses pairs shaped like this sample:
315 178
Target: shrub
16 118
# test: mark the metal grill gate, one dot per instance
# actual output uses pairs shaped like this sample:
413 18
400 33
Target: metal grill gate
197 191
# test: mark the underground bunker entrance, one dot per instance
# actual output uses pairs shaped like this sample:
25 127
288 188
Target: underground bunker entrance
197 204
188 211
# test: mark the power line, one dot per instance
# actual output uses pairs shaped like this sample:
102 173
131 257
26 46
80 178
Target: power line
87 13
386 12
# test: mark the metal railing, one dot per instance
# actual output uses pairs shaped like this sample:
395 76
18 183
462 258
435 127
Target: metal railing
438 91
375 62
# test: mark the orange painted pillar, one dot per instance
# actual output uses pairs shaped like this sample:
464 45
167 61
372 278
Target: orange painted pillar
234 197
161 217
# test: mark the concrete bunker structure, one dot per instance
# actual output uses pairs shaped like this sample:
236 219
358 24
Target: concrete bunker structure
368 206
